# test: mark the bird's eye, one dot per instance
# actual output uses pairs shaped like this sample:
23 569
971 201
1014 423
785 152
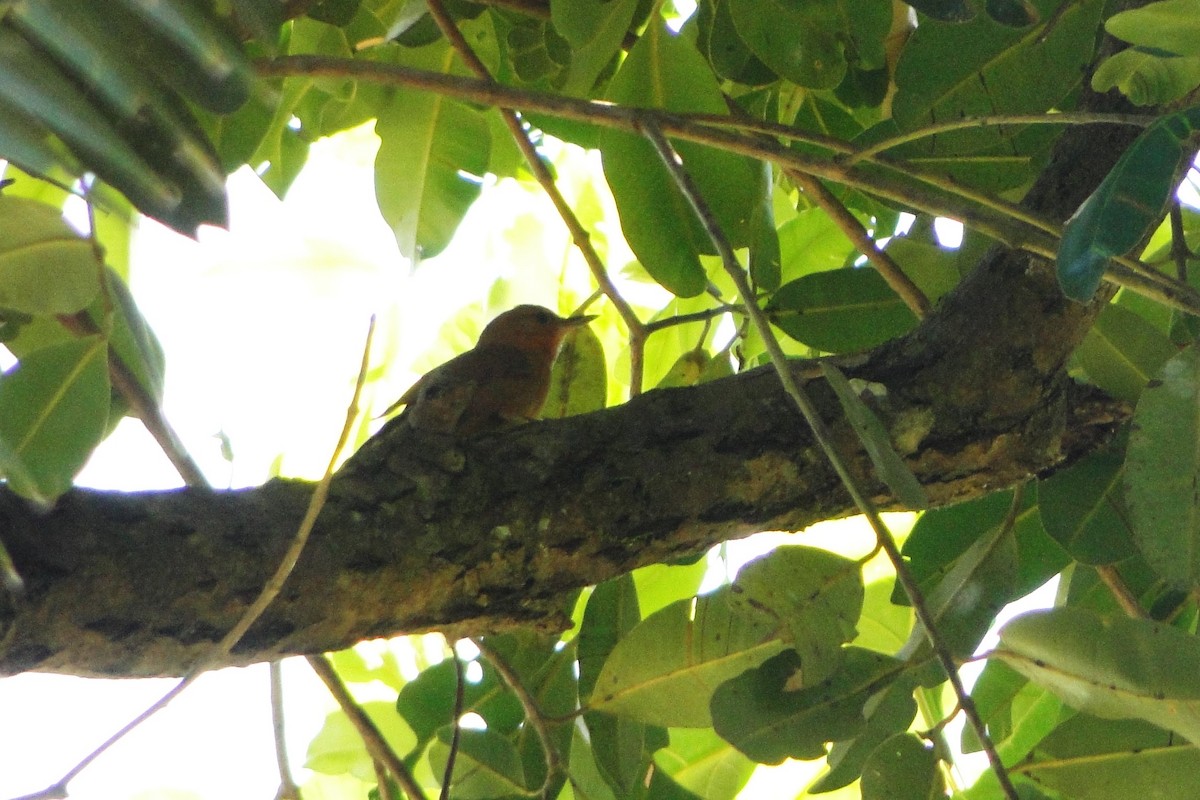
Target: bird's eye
543 317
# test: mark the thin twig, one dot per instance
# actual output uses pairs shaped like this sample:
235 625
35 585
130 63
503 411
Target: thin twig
824 438
460 681
579 234
695 316
1116 585
288 790
375 743
888 269
533 714
268 594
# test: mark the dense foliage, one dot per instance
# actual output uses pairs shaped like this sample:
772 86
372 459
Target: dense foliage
811 133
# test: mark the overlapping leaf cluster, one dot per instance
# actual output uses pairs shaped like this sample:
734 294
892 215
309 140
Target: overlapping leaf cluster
660 692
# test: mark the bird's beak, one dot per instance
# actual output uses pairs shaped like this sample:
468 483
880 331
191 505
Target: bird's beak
577 322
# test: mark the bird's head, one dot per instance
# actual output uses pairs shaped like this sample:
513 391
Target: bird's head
530 328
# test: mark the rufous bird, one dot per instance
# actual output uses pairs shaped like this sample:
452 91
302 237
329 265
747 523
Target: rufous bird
502 381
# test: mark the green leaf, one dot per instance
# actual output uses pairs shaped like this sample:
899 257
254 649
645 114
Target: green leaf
665 670
877 442
994 694
1162 469
1083 509
664 70
1128 204
902 768
1169 25
798 41
659 585
488 764
427 702
53 413
1122 351
761 714
949 70
1101 759
811 242
338 749
45 266
1112 667
432 154
1148 77
970 594
705 764
889 712
840 311
579 382
723 47
815 595
765 254
611 612
595 30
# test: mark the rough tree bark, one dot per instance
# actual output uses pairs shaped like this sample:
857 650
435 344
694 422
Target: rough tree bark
498 532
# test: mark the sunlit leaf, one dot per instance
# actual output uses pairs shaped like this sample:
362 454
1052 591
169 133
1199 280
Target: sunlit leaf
579 380
432 155
1112 667
705 764
815 595
45 266
1168 25
666 669
338 749
53 411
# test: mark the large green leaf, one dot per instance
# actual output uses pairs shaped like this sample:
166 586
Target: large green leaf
1083 509
663 70
1122 352
1113 667
595 30
433 152
840 311
488 765
54 408
45 266
705 764
889 712
1099 759
950 70
666 669
1148 76
798 41
1128 204
1169 25
763 715
815 595
902 768
1162 470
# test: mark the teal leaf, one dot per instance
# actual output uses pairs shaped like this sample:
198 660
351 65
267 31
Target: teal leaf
1127 206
